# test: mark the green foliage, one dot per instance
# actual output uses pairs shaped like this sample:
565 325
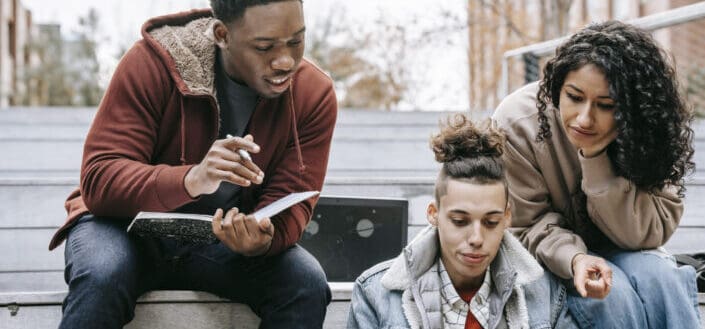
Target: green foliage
67 71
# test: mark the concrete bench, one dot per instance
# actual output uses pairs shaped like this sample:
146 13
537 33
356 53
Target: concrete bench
160 310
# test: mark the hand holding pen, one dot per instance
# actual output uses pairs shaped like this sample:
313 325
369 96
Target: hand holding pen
227 160
240 151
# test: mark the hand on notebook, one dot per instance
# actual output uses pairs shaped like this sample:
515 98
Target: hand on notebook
242 233
224 163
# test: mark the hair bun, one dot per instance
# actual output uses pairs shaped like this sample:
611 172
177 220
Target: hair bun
459 138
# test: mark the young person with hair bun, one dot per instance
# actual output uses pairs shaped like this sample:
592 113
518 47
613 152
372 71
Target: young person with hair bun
464 270
596 156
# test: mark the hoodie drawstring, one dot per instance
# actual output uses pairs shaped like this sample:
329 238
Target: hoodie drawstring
302 166
183 133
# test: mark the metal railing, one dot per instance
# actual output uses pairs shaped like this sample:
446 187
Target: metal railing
693 78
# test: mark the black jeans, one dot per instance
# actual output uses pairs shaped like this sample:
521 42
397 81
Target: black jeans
107 270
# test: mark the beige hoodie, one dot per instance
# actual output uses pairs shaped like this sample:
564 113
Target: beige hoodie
543 178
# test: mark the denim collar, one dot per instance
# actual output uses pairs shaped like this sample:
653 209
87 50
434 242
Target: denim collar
512 266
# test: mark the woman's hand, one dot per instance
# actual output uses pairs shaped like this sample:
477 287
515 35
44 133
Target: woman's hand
599 147
592 276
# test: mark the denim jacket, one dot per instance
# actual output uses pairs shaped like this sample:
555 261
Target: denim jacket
405 293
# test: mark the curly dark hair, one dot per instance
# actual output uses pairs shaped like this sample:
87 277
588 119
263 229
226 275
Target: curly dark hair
468 151
653 147
230 10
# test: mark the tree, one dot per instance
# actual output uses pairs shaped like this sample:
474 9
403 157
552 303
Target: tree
82 61
362 79
372 61
67 72
498 26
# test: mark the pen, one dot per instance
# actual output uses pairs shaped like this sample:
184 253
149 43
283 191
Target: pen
243 153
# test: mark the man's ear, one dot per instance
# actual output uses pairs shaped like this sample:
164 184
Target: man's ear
432 213
508 214
220 34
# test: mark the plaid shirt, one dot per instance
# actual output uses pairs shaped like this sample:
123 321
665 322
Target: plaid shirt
455 309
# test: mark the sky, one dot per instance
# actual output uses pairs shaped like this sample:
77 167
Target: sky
433 84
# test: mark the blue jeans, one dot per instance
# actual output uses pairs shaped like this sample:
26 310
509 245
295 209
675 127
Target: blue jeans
561 318
107 271
648 291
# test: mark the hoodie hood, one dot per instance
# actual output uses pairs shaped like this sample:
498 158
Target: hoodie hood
186 45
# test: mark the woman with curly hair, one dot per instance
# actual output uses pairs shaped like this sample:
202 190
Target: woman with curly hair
465 270
596 157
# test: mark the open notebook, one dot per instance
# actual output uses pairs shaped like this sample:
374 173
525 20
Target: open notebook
197 228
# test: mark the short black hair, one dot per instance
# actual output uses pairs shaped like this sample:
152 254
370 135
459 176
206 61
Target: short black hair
230 10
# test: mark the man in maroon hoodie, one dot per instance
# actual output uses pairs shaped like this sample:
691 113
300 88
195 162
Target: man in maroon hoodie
159 143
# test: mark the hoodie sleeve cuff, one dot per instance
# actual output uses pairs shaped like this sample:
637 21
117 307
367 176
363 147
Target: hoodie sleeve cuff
171 189
597 173
561 264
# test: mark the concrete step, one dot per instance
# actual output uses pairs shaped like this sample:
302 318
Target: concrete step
49 142
72 125
84 115
160 310
348 157
23 209
28 224
25 250
173 310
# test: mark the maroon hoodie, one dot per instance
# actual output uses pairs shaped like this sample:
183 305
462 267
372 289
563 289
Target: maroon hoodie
159 117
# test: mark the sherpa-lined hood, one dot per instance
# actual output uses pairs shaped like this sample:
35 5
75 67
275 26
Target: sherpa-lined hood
185 44
421 254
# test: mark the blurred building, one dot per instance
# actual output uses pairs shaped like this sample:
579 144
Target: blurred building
16 55
499 26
